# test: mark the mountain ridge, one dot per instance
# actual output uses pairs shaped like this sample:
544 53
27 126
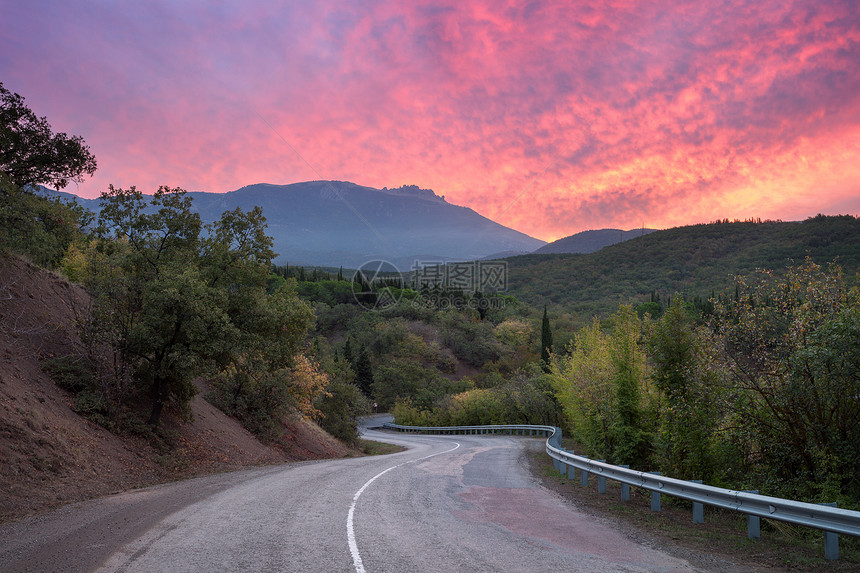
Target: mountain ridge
590 241
339 223
693 260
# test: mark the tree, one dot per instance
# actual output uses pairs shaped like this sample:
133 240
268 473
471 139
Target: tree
161 309
38 227
789 343
364 373
308 384
31 154
340 408
631 442
582 381
179 306
545 341
347 351
688 415
600 385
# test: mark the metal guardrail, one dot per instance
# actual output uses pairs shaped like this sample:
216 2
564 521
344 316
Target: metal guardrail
553 432
831 520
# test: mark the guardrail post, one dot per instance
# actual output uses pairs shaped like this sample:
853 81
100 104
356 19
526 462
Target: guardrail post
601 482
655 496
583 475
831 540
753 521
571 472
698 508
625 487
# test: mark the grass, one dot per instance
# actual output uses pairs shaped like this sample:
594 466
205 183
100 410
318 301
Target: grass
371 448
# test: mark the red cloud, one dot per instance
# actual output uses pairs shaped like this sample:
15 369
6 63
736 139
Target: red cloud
550 116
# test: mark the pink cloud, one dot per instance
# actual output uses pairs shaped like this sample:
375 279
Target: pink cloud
550 116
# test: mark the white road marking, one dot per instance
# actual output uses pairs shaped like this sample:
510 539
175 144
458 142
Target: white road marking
350 531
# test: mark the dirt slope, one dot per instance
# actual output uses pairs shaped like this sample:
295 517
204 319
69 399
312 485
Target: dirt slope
50 456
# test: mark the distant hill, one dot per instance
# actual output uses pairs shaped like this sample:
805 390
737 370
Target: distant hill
335 223
696 260
590 241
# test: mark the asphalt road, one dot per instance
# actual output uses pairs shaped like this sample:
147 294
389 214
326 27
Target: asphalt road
449 503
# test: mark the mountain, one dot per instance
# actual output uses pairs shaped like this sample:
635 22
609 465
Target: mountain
590 241
695 260
336 223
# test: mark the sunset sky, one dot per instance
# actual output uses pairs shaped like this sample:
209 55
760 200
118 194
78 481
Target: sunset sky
549 117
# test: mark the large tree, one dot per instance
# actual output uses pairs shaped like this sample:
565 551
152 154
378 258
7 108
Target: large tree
182 302
31 153
159 307
790 343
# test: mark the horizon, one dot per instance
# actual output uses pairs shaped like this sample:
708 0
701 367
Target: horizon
632 229
547 119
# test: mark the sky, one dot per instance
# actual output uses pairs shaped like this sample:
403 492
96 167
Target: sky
549 117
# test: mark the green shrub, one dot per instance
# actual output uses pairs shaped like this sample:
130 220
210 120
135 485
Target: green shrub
69 372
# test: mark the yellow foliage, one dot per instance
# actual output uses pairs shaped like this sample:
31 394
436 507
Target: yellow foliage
308 382
515 332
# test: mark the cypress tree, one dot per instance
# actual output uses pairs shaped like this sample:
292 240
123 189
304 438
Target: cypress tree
364 373
545 341
347 351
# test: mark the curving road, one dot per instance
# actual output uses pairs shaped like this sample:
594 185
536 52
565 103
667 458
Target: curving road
449 503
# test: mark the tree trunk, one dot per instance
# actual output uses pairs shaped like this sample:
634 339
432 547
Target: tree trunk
157 403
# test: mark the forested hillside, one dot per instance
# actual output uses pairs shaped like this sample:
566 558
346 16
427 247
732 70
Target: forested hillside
698 260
